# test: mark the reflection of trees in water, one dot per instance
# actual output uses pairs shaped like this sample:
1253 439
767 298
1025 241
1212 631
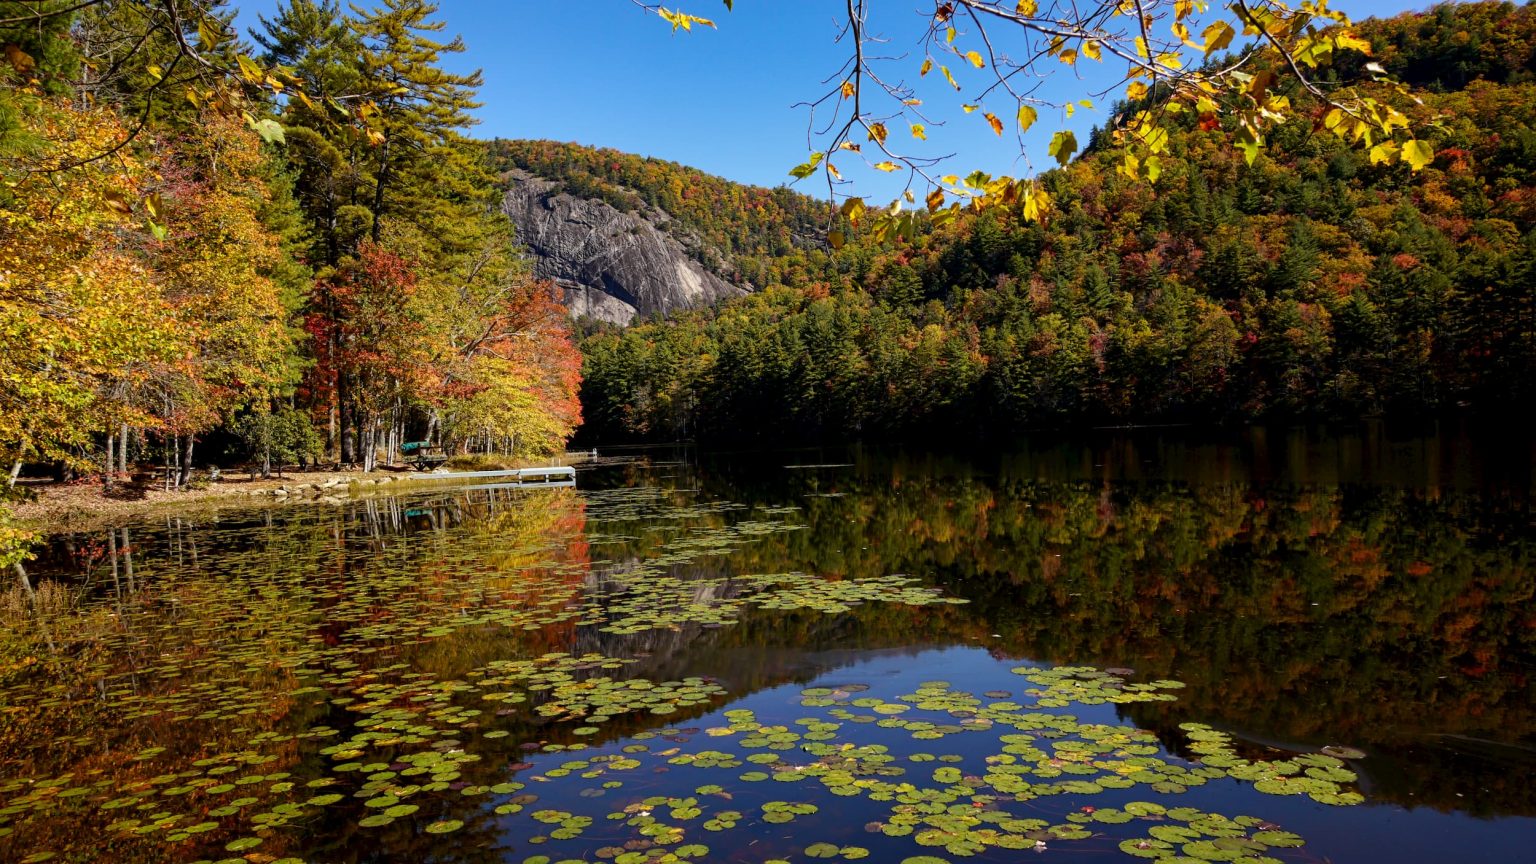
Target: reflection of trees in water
1304 615
180 615
1312 615
765 648
1378 590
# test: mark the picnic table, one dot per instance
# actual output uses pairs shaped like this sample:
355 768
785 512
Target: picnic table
423 454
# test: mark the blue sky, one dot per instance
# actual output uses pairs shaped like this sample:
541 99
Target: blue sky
603 73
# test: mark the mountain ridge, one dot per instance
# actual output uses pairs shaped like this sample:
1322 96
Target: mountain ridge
1317 281
720 238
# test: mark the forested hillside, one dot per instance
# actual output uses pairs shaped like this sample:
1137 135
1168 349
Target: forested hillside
1318 281
290 244
750 235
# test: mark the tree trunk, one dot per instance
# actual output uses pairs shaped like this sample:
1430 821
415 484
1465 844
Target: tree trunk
392 443
186 463
122 450
15 472
127 549
111 462
397 433
379 185
344 448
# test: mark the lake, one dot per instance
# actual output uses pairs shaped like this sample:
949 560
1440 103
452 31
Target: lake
1260 645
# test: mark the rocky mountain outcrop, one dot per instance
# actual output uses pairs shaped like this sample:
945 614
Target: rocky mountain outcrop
614 266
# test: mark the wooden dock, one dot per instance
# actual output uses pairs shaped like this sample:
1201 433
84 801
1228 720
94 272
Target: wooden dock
562 474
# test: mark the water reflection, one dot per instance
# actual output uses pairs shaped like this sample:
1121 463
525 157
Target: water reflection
1380 612
1346 593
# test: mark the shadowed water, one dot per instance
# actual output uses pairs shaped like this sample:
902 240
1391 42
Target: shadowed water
668 662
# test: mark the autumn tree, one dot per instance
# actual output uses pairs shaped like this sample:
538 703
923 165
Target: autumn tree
77 327
1167 59
408 187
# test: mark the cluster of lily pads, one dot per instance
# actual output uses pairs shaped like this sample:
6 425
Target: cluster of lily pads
238 707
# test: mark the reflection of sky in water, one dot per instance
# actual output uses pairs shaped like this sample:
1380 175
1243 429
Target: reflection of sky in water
1370 833
1384 614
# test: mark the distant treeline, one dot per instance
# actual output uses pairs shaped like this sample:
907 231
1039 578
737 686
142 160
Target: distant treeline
1313 283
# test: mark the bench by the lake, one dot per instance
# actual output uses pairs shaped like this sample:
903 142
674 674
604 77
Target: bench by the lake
424 454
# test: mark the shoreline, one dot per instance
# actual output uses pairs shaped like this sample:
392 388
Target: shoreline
65 506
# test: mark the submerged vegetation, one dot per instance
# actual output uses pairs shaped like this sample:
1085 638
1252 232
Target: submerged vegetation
282 689
651 672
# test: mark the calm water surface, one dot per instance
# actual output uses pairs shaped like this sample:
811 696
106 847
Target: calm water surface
835 654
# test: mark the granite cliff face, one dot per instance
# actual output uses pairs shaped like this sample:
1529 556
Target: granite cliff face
614 266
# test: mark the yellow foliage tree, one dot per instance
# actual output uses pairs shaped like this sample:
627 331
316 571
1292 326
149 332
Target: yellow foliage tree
1232 63
80 320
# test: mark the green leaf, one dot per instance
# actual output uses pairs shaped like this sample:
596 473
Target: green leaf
1063 145
270 131
800 172
1250 145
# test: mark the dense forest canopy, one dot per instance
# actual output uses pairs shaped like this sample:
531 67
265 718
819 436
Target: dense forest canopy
291 246
185 257
1317 281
